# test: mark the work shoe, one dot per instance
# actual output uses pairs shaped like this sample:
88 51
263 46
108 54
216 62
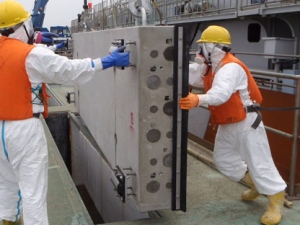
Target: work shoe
252 193
275 209
19 222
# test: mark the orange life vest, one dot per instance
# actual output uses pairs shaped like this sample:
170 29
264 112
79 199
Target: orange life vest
15 87
233 110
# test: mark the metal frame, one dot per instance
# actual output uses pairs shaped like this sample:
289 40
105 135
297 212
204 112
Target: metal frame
180 118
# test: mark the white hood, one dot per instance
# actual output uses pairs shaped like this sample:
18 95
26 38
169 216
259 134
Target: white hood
212 54
21 34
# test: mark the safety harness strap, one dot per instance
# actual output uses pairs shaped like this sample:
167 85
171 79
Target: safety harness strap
36 115
258 119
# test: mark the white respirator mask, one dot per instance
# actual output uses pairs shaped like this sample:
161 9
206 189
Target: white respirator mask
201 60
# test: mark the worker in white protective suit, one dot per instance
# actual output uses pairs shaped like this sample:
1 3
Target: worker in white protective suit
23 148
241 150
42 39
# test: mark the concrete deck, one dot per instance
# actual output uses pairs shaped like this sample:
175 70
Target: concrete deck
212 199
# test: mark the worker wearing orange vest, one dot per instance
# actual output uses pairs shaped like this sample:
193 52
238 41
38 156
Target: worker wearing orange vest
23 148
241 150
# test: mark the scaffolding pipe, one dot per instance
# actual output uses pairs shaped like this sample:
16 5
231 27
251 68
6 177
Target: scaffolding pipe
144 16
295 144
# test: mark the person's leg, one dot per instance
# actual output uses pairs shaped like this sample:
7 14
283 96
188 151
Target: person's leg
10 199
226 156
256 153
27 142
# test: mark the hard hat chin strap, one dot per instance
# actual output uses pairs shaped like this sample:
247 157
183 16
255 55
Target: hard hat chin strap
30 38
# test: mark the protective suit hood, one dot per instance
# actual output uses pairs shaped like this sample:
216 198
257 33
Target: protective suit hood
212 54
24 32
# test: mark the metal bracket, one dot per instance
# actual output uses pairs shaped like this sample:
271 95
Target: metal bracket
121 184
68 97
118 43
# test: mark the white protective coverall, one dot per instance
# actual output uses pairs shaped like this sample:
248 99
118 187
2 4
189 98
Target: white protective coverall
23 148
238 147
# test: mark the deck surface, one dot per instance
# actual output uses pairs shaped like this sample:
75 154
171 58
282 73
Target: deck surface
213 199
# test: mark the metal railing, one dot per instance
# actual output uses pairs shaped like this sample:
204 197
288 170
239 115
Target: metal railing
295 135
116 13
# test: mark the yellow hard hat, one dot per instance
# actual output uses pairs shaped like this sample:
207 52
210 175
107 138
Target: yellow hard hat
215 34
12 13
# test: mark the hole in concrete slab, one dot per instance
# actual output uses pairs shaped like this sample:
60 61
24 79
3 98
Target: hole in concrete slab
87 200
58 124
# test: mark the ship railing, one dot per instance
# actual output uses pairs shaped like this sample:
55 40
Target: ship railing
267 4
116 13
295 135
203 9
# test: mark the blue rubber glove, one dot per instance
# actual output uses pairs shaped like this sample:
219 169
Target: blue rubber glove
117 58
61 45
45 38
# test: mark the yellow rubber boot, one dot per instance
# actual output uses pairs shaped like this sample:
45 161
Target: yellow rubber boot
275 208
19 222
252 193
